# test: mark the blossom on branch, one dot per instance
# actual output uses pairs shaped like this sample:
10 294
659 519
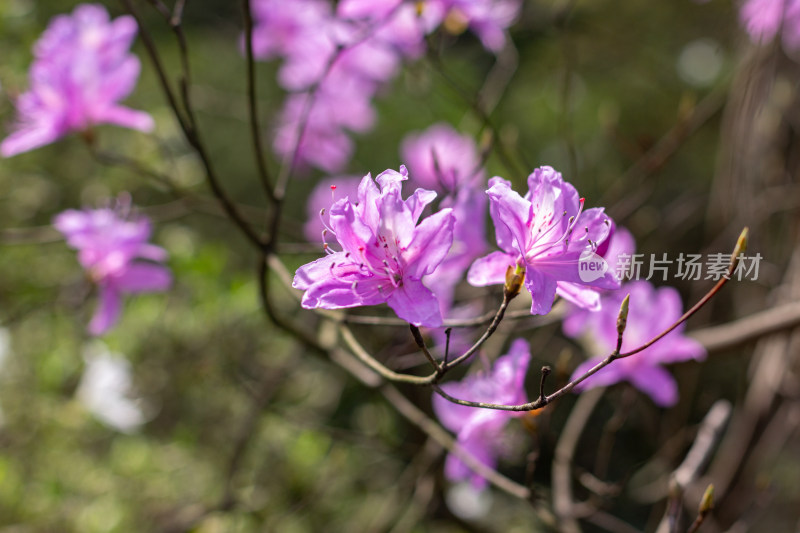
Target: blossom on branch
112 247
82 69
386 251
548 235
479 431
651 311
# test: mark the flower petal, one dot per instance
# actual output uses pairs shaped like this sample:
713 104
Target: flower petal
416 304
107 312
584 297
513 211
505 240
143 277
313 272
127 118
432 240
490 269
542 289
28 139
657 383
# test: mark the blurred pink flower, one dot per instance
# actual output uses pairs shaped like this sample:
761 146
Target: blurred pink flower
347 56
651 311
442 159
82 68
479 431
763 19
488 19
111 245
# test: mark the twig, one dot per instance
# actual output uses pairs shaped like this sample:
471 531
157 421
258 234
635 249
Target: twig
371 362
545 372
707 437
424 348
563 503
188 125
255 127
412 413
498 317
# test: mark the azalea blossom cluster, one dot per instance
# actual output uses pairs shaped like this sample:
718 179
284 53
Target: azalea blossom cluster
82 69
391 253
334 62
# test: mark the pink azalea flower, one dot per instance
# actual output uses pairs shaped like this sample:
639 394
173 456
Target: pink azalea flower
112 247
280 27
385 252
479 431
82 69
546 233
651 311
334 109
399 24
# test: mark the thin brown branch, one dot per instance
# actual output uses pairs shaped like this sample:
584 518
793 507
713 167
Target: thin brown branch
424 348
255 126
188 124
371 362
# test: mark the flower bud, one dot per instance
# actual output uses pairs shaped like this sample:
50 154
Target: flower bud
515 276
622 317
707 503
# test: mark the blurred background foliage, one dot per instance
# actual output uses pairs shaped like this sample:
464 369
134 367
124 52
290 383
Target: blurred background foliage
247 432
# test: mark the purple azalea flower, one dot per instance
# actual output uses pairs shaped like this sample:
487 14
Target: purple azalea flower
112 247
442 159
82 69
548 234
385 252
334 109
281 27
479 431
488 19
401 25
763 19
322 198
651 311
